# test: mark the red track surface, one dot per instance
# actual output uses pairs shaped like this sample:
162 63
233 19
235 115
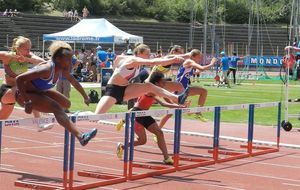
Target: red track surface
28 154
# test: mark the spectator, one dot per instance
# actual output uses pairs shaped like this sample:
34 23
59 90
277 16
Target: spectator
9 14
63 85
85 12
225 67
111 57
82 56
76 17
65 13
5 13
70 14
101 61
158 53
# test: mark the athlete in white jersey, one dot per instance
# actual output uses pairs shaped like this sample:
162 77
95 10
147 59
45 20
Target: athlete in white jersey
119 88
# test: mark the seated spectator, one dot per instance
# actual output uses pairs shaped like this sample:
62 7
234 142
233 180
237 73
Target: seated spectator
5 13
70 14
15 13
9 14
65 13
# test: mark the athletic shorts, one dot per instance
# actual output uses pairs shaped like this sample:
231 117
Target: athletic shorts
3 89
115 91
145 121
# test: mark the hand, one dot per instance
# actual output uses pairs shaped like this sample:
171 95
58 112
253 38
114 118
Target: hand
287 48
20 58
214 61
178 59
28 107
87 101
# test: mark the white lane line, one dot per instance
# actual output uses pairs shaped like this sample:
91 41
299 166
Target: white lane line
61 160
269 164
291 184
251 174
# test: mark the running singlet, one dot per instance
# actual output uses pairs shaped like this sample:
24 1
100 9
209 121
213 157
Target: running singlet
45 84
163 69
15 68
184 75
127 73
145 102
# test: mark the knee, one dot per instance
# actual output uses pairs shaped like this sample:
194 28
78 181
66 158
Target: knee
142 141
67 104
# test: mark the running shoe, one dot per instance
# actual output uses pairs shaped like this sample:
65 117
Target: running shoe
120 125
201 117
183 96
120 150
168 161
155 138
87 136
44 127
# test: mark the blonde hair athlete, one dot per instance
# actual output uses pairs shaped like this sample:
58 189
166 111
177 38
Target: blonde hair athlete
16 62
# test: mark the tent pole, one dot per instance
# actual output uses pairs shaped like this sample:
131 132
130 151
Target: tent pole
114 47
74 46
43 49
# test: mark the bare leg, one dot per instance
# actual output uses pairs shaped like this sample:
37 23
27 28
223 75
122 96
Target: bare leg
173 86
161 139
202 92
138 89
6 111
105 103
141 133
164 120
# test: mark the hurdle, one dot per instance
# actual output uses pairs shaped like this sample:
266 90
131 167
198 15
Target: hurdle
194 162
155 170
251 149
107 178
69 144
128 174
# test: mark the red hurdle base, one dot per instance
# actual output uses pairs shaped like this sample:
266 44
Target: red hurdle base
158 170
37 185
260 150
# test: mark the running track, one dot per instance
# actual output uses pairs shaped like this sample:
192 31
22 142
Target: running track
28 154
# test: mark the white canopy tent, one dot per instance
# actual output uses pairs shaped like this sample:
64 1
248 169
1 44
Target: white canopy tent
96 31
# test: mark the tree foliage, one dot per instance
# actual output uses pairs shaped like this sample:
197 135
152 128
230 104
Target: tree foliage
229 11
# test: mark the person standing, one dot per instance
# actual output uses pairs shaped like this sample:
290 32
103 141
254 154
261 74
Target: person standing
102 58
225 67
233 63
63 85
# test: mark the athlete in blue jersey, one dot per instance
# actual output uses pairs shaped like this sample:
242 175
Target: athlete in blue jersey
34 89
185 72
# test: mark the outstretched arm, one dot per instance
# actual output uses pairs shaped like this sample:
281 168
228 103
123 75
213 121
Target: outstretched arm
135 62
191 63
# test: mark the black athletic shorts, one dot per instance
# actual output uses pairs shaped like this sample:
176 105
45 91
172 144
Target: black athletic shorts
3 89
146 121
115 91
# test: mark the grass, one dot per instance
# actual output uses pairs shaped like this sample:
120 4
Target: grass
248 92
